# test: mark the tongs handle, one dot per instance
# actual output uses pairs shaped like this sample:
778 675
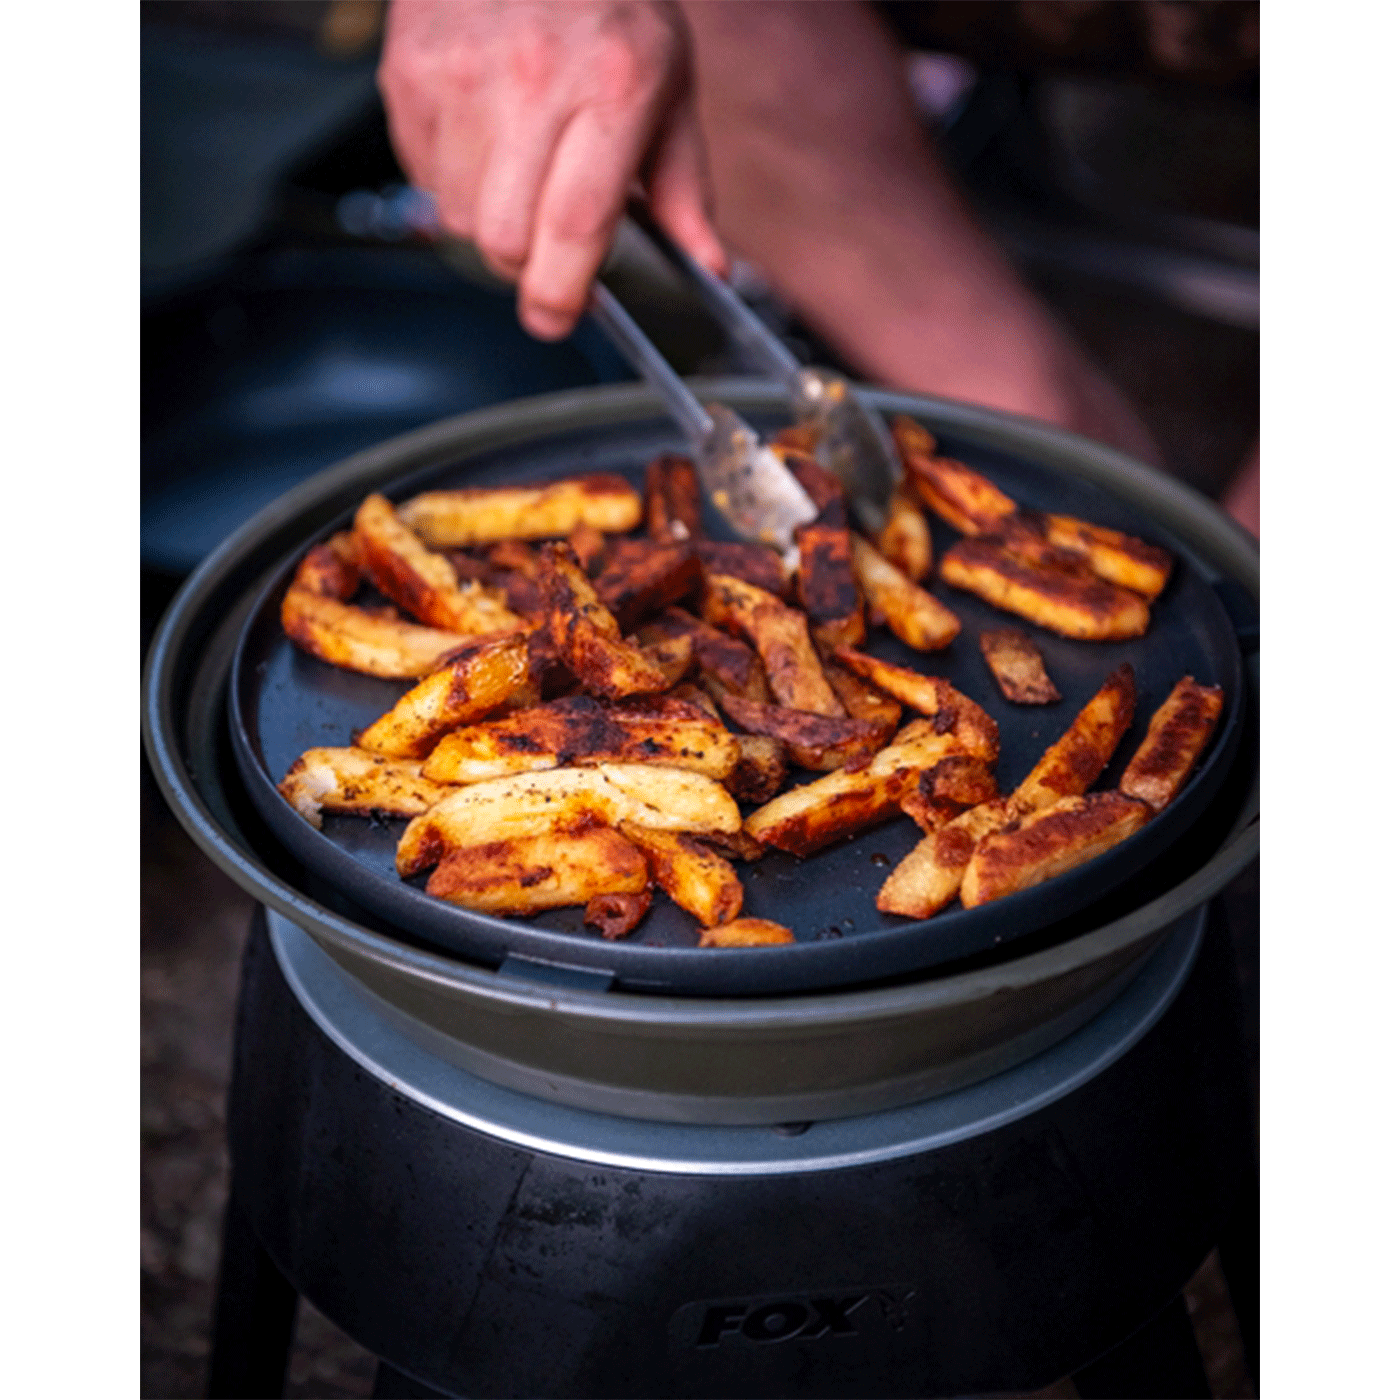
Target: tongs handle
648 361
738 320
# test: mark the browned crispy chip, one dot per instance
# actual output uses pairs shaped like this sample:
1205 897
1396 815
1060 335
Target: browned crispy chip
826 585
585 634
781 637
421 582
529 873
352 781
931 875
1018 667
754 563
949 708
947 790
1049 842
821 742
701 882
331 570
358 640
673 500
729 663
579 729
761 769
1176 738
642 577
905 541
476 682
916 617
745 933
1072 603
481 515
616 915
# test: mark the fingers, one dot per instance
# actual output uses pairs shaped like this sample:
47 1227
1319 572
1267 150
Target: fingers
459 155
678 186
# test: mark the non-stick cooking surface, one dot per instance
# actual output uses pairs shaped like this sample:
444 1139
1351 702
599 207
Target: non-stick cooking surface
284 702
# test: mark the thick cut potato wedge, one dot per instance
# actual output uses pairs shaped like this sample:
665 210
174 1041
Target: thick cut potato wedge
916 617
701 882
672 496
947 790
956 493
905 541
931 875
476 682
580 730
1177 735
821 742
745 933
586 636
358 640
754 563
948 707
420 582
761 769
482 515
358 783
826 585
1049 842
331 569
781 637
642 577
806 818
726 661
531 873
1017 666
528 804
1074 604
1112 555
1072 763
616 915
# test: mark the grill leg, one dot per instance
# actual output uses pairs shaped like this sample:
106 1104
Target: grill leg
390 1384
254 1314
1160 1361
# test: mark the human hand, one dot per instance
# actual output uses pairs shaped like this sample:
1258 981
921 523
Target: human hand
529 123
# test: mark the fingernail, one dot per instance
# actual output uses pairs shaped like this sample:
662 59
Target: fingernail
544 323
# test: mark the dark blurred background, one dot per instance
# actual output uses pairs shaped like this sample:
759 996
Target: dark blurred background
295 310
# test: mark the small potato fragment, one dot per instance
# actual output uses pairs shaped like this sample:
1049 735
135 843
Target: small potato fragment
905 541
477 681
917 618
781 637
1049 842
761 769
754 563
424 584
701 882
931 875
745 933
1072 603
1017 666
642 577
826 585
531 873
482 515
821 742
1177 735
910 437
616 915
528 804
726 661
949 708
590 547
672 493
358 640
947 790
585 634
358 783
581 730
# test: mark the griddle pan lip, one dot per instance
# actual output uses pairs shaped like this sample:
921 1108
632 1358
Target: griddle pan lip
909 949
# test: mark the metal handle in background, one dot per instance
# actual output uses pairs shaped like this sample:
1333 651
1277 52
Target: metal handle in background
633 344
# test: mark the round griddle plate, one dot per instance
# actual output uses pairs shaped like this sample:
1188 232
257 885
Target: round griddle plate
283 702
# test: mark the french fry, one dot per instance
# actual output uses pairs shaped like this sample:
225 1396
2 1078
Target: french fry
1049 842
586 636
359 784
861 701
641 577
358 640
821 742
1017 666
947 790
734 845
745 933
701 882
911 437
964 498
949 708
516 572
421 582
1074 604
580 730
731 664
482 515
754 563
905 541
1112 555
530 873
931 875
917 618
331 570
1177 735
826 585
781 637
476 682
616 915
761 769
672 494
528 804
674 656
